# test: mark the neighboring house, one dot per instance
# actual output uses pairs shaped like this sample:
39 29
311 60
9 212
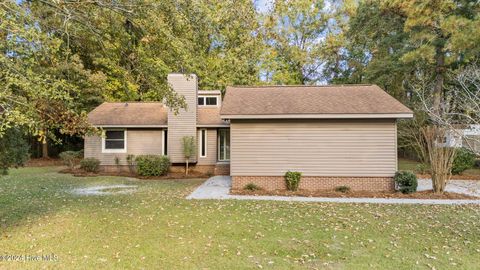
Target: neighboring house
335 135
468 137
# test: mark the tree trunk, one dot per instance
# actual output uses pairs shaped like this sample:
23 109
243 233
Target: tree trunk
439 79
186 166
440 158
44 147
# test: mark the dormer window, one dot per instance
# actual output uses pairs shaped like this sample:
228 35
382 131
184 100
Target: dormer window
207 101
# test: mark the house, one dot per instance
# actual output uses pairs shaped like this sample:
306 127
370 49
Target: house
464 136
335 135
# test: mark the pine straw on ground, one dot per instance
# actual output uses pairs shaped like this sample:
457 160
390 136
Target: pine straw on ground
429 194
171 175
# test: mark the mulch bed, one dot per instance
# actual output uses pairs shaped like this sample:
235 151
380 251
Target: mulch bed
356 194
169 176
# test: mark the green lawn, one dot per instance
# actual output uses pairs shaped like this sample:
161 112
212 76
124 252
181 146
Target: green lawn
407 164
157 228
411 165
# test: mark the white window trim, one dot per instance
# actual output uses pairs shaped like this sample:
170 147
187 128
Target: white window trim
205 101
163 143
104 136
201 142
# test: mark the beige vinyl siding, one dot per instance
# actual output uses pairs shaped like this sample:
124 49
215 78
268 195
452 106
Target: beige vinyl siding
211 158
139 142
185 122
313 147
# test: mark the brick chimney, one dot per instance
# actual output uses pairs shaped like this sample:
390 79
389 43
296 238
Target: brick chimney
185 122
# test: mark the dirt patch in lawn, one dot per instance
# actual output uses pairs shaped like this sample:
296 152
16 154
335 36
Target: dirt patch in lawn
427 194
105 190
169 176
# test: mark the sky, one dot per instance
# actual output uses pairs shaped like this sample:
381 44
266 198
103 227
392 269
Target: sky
263 5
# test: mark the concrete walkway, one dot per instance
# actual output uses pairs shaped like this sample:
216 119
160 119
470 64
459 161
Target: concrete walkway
218 188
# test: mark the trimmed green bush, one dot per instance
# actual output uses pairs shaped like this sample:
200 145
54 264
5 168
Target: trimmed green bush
152 165
343 189
71 158
406 182
464 159
90 164
251 187
292 180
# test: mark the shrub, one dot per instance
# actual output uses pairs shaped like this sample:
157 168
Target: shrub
13 150
464 159
90 164
477 163
292 180
406 182
117 160
130 159
71 158
152 165
343 189
188 146
251 187
422 168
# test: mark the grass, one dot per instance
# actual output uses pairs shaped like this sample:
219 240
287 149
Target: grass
411 165
407 164
156 227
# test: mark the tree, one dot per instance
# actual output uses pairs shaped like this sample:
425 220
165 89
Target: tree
390 42
459 109
188 145
13 149
136 44
37 90
293 34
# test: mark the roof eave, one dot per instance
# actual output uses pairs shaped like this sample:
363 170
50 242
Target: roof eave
212 126
128 126
320 116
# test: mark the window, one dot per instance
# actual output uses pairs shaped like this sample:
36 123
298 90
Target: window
224 144
203 143
207 101
114 141
165 142
211 101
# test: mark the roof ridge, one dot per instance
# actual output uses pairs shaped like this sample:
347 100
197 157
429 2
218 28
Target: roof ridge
299 85
123 102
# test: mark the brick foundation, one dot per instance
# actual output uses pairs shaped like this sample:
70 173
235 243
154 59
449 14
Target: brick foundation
222 169
318 182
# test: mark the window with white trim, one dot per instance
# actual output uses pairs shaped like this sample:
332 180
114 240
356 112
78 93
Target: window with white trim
207 101
114 141
203 143
224 144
